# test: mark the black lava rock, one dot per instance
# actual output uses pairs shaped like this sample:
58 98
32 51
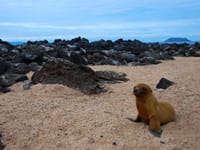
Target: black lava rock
4 66
164 83
9 79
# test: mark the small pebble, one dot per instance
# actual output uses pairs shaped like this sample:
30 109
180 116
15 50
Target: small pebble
162 142
27 85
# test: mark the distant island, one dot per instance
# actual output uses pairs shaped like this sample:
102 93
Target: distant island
177 40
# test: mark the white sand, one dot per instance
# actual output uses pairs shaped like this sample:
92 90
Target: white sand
55 117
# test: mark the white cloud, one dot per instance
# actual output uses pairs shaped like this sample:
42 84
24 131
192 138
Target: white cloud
107 26
26 38
142 29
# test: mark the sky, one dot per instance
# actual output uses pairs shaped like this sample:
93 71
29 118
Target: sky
145 20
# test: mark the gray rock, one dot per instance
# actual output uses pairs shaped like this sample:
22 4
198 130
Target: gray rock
19 68
128 57
9 79
4 66
148 60
34 66
27 84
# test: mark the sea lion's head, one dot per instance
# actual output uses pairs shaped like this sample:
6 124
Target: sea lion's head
141 89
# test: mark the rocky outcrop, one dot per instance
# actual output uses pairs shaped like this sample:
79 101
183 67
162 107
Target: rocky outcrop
17 60
81 51
69 74
75 76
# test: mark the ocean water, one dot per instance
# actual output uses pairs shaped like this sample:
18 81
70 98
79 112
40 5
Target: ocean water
17 43
92 40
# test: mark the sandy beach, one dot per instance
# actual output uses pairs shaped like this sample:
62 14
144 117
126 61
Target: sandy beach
55 117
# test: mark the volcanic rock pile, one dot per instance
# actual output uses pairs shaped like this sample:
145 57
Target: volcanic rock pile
17 60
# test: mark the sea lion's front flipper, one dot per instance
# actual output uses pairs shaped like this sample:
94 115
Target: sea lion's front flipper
156 133
138 119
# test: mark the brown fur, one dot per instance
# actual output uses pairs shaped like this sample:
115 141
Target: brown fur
151 111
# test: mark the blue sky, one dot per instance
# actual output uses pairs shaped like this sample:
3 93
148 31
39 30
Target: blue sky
146 20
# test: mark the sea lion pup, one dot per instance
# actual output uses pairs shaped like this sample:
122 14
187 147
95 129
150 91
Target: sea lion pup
151 111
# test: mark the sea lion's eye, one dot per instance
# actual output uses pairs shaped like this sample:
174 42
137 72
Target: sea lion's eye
144 88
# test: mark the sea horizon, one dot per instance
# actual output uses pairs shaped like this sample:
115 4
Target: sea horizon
19 42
